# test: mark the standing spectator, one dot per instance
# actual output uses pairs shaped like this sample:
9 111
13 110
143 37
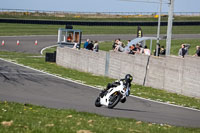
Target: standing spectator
115 44
90 46
86 43
183 50
162 50
197 51
96 46
147 51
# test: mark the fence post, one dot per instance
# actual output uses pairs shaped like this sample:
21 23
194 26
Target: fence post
107 63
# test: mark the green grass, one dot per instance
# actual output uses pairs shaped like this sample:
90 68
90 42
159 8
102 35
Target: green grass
99 81
8 29
29 118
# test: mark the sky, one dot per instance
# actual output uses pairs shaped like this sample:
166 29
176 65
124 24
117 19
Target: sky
100 5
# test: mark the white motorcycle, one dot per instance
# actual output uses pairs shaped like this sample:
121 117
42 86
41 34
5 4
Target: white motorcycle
113 95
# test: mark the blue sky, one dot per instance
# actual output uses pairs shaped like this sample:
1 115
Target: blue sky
99 5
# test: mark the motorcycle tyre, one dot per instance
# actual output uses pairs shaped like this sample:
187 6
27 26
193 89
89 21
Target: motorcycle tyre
97 102
110 106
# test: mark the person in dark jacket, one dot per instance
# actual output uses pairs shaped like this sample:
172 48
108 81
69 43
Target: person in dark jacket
197 51
90 46
183 50
162 50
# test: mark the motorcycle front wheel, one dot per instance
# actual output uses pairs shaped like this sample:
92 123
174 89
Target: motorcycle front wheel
114 99
97 102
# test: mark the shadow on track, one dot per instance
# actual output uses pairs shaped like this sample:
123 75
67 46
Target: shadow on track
129 110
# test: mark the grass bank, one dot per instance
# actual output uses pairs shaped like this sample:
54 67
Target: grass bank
99 81
19 118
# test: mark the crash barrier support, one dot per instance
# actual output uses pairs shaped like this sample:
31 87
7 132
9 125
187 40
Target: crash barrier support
170 73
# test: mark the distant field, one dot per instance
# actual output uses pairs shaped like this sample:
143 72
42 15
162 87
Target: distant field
92 17
8 29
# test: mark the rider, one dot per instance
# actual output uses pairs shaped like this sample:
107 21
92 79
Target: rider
127 84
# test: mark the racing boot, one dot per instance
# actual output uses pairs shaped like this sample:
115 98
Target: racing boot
123 100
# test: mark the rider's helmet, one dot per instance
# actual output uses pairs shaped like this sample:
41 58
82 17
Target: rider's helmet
128 78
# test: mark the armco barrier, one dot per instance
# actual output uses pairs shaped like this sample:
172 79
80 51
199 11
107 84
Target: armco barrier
170 73
89 23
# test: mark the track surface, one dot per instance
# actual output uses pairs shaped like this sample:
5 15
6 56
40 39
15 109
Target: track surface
24 85
27 42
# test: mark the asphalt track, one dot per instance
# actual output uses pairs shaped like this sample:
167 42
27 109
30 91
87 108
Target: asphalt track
27 42
25 85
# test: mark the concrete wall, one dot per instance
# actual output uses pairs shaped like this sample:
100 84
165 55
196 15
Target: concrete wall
83 60
173 74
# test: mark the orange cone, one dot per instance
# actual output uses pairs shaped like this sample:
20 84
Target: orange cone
36 42
3 43
17 42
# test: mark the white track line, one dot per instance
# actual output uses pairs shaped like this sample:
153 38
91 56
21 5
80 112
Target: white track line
14 73
41 52
96 87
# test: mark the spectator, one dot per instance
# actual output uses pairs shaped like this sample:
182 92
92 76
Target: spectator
147 51
69 38
86 43
138 48
162 50
141 49
90 46
183 50
119 48
133 49
115 44
197 51
96 46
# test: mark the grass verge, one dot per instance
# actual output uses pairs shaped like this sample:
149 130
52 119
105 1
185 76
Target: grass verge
19 118
99 81
8 29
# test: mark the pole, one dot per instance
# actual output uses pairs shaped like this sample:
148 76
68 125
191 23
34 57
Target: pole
169 27
158 31
159 19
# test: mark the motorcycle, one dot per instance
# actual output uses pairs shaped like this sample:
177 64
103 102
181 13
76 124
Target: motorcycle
112 96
